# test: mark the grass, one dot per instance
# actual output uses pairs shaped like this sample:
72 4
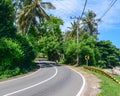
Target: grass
108 87
16 72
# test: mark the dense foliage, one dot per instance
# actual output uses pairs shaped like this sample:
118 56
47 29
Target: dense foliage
86 46
16 52
109 54
10 50
48 37
7 18
102 53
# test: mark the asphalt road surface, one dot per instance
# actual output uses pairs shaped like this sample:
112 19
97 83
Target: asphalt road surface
49 80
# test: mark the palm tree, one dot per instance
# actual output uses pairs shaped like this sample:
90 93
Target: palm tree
73 29
90 23
29 14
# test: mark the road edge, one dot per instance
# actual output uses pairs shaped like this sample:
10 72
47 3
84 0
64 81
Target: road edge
81 91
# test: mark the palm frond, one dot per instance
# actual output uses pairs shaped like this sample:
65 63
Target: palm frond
27 15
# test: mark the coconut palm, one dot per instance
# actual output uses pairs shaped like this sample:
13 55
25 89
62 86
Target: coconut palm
73 29
28 15
90 23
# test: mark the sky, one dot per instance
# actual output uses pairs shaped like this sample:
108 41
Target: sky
109 27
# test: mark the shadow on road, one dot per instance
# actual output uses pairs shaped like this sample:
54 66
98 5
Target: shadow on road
44 63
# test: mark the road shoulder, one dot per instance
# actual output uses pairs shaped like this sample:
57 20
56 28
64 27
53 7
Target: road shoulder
92 82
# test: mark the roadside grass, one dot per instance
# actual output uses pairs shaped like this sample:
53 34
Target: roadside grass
107 86
7 76
16 73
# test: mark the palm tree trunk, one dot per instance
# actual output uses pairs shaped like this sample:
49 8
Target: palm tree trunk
77 42
28 27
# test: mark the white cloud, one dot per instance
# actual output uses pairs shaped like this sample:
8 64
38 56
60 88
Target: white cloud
112 18
67 8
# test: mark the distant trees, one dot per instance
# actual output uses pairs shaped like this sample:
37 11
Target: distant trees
50 42
88 23
86 46
109 54
102 53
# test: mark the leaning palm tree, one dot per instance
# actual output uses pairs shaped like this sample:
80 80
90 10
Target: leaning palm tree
30 14
90 23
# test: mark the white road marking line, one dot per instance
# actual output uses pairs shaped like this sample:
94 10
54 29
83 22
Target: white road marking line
56 71
81 90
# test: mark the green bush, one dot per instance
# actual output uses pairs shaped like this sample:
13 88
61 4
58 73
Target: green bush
101 63
14 72
29 53
86 50
9 73
16 56
70 52
10 50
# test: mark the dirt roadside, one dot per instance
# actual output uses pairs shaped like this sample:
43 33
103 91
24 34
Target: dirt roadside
92 87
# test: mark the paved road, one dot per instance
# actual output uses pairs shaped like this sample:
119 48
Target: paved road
49 80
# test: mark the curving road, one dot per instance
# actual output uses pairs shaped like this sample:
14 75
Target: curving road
49 80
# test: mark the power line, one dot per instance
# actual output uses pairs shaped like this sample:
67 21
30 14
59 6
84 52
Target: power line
83 9
63 11
79 18
111 2
111 5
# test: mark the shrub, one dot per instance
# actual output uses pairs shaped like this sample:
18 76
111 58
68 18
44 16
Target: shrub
14 72
28 50
10 50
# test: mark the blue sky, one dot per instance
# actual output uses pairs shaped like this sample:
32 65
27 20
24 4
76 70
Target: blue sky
109 27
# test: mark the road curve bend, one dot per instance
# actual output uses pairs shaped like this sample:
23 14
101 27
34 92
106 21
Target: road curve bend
49 80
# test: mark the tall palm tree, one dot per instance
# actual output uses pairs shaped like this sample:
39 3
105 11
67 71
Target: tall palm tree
73 29
90 23
29 14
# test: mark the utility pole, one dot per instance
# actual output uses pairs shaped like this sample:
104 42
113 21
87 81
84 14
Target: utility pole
78 24
77 33
77 39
